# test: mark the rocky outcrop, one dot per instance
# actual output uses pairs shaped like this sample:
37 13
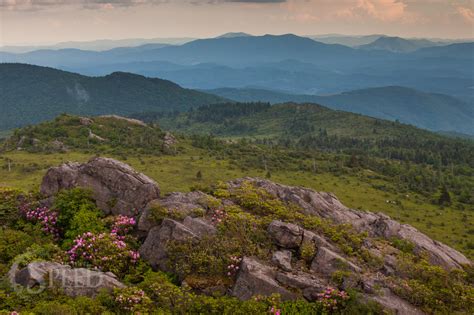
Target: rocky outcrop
308 284
282 259
394 304
327 261
38 276
154 249
255 278
116 187
85 121
439 253
129 120
180 204
326 205
93 136
199 226
286 235
169 140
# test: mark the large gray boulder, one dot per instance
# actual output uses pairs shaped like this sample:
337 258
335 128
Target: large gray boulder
327 261
38 276
180 204
308 284
116 187
326 205
255 278
286 235
394 304
154 249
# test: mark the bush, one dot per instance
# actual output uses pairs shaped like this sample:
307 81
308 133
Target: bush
307 251
69 202
87 219
432 288
13 243
35 252
107 252
10 200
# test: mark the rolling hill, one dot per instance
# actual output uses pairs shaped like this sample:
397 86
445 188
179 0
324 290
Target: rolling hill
431 111
397 44
31 94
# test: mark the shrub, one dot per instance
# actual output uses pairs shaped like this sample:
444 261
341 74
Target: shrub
433 288
403 245
52 308
69 202
85 220
333 300
107 252
13 243
43 216
35 252
10 200
132 300
307 251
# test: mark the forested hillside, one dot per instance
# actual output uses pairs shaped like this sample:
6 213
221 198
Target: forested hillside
433 111
419 160
31 94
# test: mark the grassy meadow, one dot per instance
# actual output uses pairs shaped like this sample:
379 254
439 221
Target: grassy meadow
178 173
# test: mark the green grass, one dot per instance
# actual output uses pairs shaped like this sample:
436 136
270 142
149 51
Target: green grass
178 173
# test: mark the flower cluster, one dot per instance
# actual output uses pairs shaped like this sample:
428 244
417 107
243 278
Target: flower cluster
123 225
333 299
234 266
132 300
275 311
47 218
218 216
105 251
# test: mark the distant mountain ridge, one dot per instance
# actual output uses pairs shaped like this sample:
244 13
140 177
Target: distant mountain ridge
31 94
397 44
242 61
431 111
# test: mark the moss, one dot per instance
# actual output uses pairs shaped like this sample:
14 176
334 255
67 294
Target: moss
159 212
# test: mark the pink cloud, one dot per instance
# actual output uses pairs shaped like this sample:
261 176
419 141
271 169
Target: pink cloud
310 10
466 13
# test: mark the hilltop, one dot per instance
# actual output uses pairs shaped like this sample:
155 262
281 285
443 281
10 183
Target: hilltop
31 94
397 44
432 111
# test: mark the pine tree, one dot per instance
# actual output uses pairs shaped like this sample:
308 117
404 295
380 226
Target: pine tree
199 175
444 198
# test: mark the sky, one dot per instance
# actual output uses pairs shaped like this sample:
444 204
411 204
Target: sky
24 22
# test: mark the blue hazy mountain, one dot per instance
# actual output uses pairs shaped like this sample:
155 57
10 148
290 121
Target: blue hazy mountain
286 62
397 44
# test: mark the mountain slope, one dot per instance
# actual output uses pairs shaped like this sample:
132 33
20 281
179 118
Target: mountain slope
431 111
397 44
31 94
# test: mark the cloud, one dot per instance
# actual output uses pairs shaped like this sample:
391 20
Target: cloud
466 13
108 4
327 10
